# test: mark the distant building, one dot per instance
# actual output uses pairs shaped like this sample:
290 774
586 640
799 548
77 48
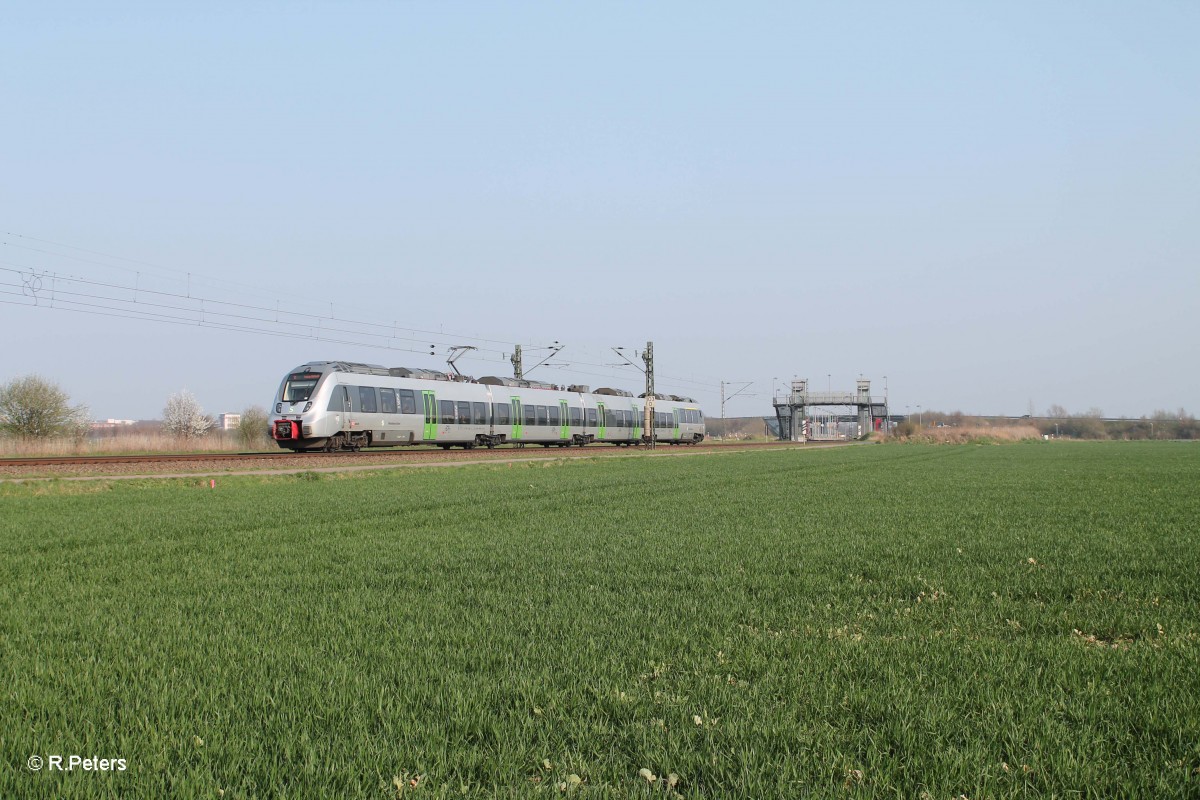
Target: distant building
112 424
229 422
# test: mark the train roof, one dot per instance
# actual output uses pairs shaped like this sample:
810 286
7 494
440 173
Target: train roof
491 380
377 369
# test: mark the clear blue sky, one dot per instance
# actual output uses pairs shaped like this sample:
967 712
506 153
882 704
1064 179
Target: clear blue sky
993 204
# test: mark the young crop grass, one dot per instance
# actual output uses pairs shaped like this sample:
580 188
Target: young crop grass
866 622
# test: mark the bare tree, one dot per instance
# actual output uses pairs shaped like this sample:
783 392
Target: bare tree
34 408
183 417
253 428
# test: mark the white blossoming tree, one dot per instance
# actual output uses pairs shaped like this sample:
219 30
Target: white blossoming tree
184 418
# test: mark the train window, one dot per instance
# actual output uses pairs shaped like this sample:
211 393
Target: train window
408 402
464 412
299 386
387 401
447 411
337 400
576 415
367 401
479 413
500 413
541 415
590 418
553 415
530 415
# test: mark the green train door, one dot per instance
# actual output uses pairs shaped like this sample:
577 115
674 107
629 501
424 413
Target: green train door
601 434
637 424
431 424
518 427
676 413
565 431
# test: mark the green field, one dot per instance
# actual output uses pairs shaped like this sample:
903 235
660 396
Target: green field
875 621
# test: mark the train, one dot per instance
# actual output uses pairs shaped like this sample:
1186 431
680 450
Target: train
342 405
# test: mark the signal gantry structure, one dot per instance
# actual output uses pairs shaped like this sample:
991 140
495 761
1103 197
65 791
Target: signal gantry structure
792 408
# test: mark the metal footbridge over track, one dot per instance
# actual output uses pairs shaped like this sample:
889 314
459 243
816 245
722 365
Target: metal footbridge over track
791 408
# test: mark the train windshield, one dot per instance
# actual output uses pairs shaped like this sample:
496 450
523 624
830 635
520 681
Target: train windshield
299 386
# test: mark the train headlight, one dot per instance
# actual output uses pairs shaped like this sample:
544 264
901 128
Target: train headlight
308 406
279 408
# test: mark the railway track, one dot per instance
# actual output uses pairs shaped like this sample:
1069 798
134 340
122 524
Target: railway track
399 453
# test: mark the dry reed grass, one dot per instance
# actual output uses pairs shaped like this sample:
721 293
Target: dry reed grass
971 434
227 442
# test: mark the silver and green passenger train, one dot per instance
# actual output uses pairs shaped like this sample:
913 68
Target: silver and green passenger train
336 405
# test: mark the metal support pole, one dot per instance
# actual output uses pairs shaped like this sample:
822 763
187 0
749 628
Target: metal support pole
648 357
518 369
722 409
887 410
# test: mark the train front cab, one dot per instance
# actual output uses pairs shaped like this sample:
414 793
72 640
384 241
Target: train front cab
292 423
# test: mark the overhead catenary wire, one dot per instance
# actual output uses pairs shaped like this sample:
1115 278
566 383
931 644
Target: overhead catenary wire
315 333
711 384
315 328
314 319
138 301
191 278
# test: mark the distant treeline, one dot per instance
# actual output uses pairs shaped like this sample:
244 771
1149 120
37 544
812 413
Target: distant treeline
1091 424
